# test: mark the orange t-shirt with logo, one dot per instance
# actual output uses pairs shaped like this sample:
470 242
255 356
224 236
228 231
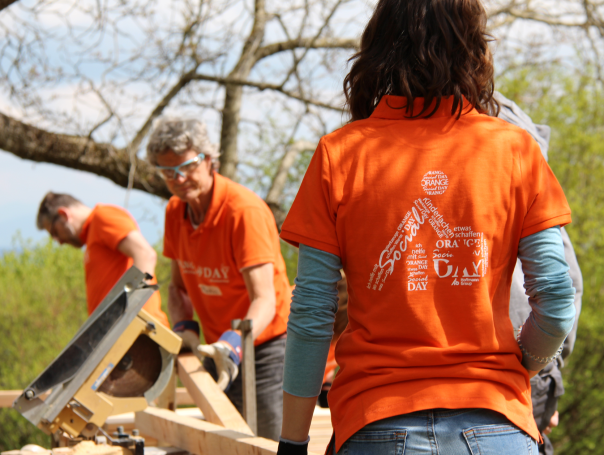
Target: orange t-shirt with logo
238 231
426 216
104 265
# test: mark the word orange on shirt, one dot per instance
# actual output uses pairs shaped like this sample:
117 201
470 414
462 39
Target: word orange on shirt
426 215
238 231
104 265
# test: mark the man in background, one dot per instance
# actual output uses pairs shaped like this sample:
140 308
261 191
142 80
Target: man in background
113 244
546 387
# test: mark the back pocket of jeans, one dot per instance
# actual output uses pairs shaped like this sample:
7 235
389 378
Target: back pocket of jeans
498 440
369 442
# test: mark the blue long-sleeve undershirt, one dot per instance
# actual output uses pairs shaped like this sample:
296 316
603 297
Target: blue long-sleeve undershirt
315 302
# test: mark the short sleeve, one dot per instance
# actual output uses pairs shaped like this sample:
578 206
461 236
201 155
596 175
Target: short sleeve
312 217
112 225
254 237
171 230
545 200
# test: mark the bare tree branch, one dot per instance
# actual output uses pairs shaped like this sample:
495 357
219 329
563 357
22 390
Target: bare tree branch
182 82
287 161
263 86
324 43
77 152
548 20
6 3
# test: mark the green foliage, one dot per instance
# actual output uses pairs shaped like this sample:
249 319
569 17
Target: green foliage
573 106
43 303
290 255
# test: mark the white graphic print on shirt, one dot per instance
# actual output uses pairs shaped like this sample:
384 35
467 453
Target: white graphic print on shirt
461 255
212 274
435 182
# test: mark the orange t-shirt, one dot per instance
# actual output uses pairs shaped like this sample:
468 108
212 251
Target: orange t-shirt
238 231
426 216
104 265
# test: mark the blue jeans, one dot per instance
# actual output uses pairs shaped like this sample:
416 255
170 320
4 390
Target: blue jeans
442 432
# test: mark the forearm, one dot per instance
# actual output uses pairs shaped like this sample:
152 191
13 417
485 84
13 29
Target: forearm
261 289
262 311
179 307
551 297
297 416
145 261
136 247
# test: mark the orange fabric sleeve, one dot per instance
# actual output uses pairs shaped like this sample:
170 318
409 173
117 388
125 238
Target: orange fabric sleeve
171 229
252 240
113 225
546 203
313 213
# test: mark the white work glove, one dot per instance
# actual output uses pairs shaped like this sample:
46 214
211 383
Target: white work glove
226 352
225 367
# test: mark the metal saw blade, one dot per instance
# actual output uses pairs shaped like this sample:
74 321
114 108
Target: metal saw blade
136 372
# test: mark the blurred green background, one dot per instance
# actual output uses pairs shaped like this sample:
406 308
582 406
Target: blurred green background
42 296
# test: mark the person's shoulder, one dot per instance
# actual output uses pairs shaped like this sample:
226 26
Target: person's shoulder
175 204
499 130
241 198
110 212
350 131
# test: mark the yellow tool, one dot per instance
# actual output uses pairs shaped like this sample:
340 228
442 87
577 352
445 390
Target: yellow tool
119 361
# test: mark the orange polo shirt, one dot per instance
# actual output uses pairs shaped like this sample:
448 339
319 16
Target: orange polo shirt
104 265
426 216
238 231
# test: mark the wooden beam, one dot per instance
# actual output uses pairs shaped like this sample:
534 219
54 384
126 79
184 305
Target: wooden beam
8 396
200 437
183 397
206 394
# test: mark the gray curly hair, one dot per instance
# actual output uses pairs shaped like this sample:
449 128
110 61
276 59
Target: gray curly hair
179 135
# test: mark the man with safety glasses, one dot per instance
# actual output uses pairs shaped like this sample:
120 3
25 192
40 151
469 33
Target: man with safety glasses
113 244
226 264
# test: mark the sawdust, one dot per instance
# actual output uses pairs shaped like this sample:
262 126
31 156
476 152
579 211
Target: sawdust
90 448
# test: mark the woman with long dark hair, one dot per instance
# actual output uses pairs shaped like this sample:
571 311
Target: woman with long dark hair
425 201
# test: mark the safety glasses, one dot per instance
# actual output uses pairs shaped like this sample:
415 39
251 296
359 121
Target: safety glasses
184 169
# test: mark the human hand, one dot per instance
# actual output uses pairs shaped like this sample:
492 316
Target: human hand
226 353
552 423
188 331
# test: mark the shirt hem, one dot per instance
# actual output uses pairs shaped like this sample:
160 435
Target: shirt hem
560 220
256 261
296 240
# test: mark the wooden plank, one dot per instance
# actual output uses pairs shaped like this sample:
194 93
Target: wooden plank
8 396
247 369
214 404
183 398
200 437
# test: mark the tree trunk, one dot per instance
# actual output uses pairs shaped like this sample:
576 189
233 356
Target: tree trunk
231 116
231 113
